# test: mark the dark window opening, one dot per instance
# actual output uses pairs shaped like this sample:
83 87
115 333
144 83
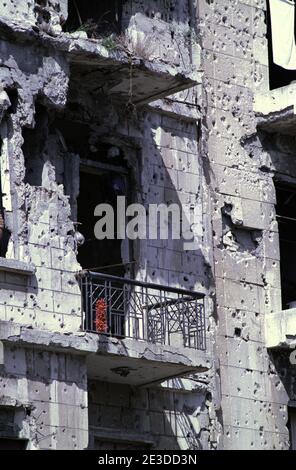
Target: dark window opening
13 444
278 76
97 19
103 177
286 217
13 98
4 241
4 232
33 146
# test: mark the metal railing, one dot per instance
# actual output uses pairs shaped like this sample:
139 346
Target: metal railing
125 308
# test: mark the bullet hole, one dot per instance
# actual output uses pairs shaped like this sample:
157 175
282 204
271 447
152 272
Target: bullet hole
237 332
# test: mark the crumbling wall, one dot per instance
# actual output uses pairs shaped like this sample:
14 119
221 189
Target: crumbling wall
38 213
46 15
51 15
283 369
37 217
243 218
154 38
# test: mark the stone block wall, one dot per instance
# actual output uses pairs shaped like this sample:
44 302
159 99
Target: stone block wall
162 418
198 148
172 174
38 214
51 391
246 248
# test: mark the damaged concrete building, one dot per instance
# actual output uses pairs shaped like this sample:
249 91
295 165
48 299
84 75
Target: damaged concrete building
142 344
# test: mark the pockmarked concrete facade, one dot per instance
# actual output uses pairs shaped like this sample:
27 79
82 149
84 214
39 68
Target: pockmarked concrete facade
140 344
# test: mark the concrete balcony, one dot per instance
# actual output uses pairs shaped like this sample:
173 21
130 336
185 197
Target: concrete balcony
275 110
280 329
116 73
110 359
145 333
140 363
132 332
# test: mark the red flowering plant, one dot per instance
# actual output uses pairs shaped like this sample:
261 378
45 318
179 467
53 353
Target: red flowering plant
101 324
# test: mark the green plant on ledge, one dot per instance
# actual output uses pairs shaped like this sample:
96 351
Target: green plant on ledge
110 42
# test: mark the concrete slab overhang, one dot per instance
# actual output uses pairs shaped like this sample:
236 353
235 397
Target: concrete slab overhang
110 359
280 329
114 73
141 363
276 112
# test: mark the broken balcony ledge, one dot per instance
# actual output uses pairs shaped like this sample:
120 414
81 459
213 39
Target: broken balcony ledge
152 79
111 359
17 267
280 329
9 402
275 110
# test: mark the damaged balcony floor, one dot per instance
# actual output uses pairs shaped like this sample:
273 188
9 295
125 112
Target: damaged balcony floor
108 72
275 110
141 363
113 360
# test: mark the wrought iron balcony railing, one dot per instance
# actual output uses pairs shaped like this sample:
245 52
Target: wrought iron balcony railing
125 308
